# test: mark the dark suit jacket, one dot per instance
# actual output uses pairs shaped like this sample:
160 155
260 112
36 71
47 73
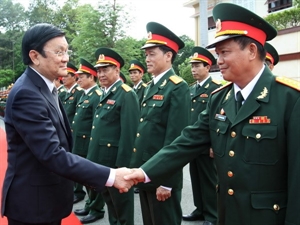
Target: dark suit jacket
257 153
37 186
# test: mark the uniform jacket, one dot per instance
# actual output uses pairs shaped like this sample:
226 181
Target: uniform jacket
37 186
114 127
83 119
71 100
257 153
140 90
200 97
165 112
62 92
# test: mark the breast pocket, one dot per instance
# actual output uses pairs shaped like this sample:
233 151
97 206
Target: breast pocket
155 110
109 112
202 100
261 144
218 130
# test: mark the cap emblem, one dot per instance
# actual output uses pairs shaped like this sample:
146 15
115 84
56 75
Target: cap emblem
218 25
101 57
195 55
149 35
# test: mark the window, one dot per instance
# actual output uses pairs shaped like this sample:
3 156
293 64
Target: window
275 5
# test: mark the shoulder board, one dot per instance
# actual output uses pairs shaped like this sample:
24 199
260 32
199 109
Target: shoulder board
193 83
176 79
216 82
126 87
222 87
149 82
98 92
289 82
79 88
144 85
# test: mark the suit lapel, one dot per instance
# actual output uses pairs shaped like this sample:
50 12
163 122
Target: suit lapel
158 86
260 93
112 90
228 105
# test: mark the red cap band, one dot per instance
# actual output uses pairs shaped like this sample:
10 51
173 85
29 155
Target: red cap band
203 58
158 39
109 60
88 70
269 57
70 70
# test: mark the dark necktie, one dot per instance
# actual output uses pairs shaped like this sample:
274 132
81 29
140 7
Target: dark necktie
55 96
239 100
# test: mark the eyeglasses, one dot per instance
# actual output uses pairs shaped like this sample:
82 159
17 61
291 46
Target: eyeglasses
61 53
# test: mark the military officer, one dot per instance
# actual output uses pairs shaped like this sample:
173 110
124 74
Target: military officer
202 169
165 111
81 129
113 131
61 90
272 57
71 99
252 124
123 78
136 72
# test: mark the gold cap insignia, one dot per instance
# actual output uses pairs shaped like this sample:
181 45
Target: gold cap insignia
218 25
132 65
149 35
195 55
101 57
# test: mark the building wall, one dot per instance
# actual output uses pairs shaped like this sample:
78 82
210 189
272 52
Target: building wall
287 44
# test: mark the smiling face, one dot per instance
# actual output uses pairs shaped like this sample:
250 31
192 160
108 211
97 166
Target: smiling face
135 76
85 81
48 63
157 61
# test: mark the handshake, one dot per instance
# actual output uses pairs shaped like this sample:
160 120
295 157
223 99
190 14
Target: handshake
126 178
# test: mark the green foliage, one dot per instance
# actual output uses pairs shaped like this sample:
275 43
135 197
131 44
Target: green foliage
185 71
6 77
285 19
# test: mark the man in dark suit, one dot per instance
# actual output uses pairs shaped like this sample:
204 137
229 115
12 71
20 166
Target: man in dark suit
113 131
165 111
202 169
252 125
82 123
38 186
136 73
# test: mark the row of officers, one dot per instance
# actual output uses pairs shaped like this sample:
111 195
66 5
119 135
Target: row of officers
121 126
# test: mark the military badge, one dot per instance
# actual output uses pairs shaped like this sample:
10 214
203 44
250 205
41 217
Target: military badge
110 102
86 101
204 95
158 97
149 35
263 94
163 83
218 25
206 86
259 120
71 98
101 57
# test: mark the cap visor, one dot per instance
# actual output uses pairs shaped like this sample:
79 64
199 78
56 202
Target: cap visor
150 45
102 65
219 39
79 72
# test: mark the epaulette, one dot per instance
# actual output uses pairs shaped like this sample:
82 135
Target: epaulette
289 82
79 88
149 82
216 81
222 87
144 85
98 92
176 79
126 87
193 83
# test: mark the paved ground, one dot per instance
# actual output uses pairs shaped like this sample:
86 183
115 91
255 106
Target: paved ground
186 203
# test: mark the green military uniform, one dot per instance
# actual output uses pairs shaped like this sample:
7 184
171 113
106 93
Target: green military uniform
202 169
61 90
256 149
112 136
141 86
165 111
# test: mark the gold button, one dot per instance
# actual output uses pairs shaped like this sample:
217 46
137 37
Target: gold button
78 105
75 113
203 101
153 105
231 153
91 138
97 116
93 127
218 130
71 130
230 192
276 207
108 107
230 174
138 134
73 122
258 136
83 136
192 110
134 150
108 145
194 100
144 104
141 120
233 134
100 104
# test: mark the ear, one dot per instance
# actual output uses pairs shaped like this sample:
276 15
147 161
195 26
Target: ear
34 56
271 66
169 55
252 51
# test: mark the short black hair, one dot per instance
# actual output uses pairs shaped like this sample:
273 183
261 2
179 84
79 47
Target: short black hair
36 37
243 41
166 49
